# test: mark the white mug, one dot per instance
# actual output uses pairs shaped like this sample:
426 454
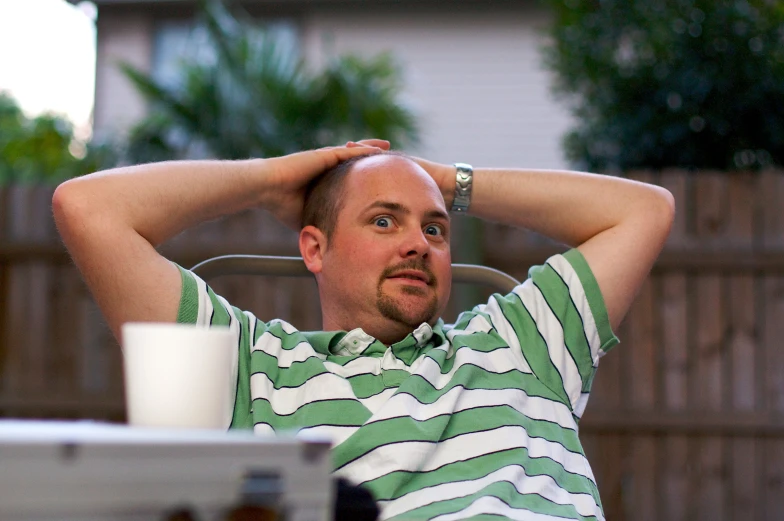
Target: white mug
179 375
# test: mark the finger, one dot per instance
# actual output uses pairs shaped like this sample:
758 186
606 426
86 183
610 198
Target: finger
380 143
373 143
360 150
363 149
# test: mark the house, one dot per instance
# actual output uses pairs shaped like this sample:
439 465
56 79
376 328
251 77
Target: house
472 69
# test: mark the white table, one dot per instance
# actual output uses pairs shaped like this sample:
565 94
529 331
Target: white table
85 471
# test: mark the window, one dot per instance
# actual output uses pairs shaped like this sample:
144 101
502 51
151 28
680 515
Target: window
177 41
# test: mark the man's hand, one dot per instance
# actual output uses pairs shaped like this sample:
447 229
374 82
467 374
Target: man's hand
443 175
290 175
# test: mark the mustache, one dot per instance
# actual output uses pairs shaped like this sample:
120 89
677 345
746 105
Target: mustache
413 264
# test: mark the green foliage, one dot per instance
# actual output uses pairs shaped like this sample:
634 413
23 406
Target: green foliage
39 149
671 83
255 98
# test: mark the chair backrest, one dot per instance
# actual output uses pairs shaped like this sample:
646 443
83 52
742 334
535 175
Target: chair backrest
295 267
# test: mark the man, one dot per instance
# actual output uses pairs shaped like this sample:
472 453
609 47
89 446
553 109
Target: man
438 422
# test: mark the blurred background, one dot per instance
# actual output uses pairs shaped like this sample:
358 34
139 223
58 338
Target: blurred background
686 419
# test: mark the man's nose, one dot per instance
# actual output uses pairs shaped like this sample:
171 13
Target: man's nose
415 244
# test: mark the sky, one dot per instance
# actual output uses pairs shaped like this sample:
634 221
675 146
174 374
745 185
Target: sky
47 57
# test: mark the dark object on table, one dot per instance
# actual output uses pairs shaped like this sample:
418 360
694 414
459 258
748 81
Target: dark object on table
354 503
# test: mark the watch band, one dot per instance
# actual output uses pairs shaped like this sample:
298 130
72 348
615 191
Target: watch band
464 182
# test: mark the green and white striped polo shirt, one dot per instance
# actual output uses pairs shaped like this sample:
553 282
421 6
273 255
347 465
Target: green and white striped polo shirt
472 420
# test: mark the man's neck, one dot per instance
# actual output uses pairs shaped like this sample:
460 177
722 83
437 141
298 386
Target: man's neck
381 328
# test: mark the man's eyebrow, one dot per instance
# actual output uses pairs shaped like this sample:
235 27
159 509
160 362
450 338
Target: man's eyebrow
438 214
399 208
388 205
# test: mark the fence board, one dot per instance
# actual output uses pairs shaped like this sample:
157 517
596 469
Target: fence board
711 226
96 350
644 357
36 317
17 333
65 332
710 478
707 390
772 491
741 314
675 338
774 363
711 209
742 321
645 503
771 194
39 227
742 502
743 211
675 469
709 348
611 474
676 478
707 396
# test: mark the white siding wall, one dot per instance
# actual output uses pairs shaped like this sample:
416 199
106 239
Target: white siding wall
475 79
121 38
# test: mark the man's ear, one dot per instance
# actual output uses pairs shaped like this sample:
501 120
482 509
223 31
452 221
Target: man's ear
312 245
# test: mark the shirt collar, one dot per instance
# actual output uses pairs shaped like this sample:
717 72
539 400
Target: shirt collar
357 342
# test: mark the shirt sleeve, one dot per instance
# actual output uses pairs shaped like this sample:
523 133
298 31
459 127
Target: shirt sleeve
201 306
559 320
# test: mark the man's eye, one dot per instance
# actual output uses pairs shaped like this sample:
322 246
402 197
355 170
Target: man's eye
434 230
383 222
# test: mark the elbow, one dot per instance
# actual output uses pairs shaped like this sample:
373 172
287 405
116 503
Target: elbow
666 206
68 207
659 212
62 201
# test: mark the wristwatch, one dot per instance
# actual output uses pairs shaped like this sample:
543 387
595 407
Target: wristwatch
464 181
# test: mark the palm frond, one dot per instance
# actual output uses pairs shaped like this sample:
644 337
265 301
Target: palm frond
256 98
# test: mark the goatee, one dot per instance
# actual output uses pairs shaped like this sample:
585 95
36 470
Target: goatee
390 308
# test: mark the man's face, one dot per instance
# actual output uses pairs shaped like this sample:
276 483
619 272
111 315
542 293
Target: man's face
387 268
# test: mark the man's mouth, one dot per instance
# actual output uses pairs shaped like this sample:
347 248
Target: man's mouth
412 275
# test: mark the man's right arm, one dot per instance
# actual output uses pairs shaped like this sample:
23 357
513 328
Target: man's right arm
112 221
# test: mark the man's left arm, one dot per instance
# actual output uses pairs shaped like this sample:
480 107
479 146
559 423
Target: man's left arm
618 225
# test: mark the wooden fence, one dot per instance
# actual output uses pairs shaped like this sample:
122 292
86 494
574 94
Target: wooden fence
686 420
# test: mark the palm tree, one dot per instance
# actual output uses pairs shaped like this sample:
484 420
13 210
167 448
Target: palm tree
255 98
